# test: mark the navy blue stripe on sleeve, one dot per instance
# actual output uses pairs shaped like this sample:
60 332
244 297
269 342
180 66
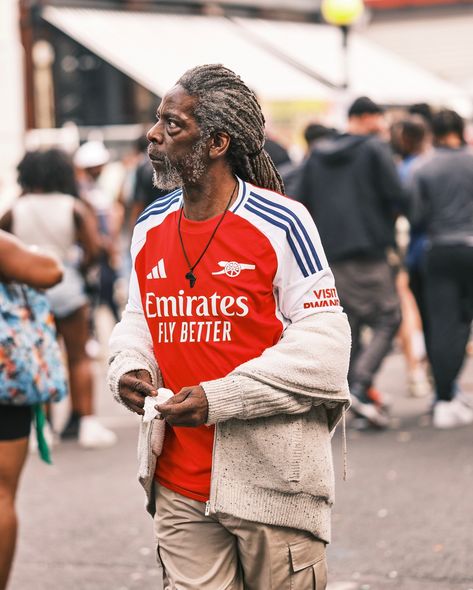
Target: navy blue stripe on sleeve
303 232
285 228
159 203
243 195
158 210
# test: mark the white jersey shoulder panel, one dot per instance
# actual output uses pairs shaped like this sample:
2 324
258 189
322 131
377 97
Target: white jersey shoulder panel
288 226
153 216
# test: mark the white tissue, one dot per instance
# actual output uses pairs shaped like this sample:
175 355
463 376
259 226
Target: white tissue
151 401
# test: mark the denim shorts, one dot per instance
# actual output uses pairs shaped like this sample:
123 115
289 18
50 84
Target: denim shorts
69 295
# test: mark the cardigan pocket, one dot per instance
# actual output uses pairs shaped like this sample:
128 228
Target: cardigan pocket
264 453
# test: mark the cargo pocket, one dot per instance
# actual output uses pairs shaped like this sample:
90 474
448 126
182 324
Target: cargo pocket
320 574
309 565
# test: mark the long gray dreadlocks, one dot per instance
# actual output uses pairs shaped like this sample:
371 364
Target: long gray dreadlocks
225 103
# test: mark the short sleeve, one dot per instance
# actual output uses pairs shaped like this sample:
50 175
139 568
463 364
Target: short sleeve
304 283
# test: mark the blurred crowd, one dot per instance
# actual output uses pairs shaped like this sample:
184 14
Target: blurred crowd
392 198
363 188
392 201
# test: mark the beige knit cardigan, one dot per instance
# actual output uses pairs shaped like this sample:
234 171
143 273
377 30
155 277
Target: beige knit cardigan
274 416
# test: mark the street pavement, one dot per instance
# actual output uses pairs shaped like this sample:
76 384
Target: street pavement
403 519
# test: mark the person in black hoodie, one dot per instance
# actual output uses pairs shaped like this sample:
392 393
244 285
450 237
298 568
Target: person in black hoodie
351 187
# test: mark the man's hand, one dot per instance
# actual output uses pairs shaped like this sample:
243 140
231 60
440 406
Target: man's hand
133 387
189 407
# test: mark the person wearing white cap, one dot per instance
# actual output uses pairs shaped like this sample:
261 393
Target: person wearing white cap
91 154
99 185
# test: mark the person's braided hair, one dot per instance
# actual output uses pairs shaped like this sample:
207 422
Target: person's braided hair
225 103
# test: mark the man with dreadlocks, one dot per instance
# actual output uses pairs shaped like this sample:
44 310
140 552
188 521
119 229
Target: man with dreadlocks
233 308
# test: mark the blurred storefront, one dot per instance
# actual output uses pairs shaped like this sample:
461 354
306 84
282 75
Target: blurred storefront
438 40
12 122
104 65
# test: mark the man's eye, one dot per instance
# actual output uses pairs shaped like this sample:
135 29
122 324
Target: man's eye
172 124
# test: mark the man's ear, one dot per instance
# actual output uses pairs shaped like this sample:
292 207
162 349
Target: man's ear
219 144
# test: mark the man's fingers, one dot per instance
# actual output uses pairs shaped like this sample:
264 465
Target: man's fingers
175 400
179 415
134 399
136 408
187 408
143 388
169 408
178 398
143 375
133 390
175 407
130 382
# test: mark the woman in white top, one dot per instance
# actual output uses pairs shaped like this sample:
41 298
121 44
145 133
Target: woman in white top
50 216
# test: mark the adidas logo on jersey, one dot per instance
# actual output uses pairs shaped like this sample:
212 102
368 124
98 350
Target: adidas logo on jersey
158 271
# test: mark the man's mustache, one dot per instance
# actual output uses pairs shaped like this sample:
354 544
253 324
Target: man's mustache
154 155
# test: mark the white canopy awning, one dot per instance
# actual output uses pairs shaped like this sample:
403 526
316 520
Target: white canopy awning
439 42
155 49
280 60
373 70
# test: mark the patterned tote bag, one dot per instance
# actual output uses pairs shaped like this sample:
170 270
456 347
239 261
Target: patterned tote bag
31 365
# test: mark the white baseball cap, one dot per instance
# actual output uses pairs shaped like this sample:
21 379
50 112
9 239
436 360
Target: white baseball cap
91 154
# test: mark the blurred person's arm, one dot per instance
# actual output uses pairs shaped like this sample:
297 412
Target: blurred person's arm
301 185
110 242
6 221
117 217
137 208
25 265
87 233
418 203
138 201
387 178
103 241
290 175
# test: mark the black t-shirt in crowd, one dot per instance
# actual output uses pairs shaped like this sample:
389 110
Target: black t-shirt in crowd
145 192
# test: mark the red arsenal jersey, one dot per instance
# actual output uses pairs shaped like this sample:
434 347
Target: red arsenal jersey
264 268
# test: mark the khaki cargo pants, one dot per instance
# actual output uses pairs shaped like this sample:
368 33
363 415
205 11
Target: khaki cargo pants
199 552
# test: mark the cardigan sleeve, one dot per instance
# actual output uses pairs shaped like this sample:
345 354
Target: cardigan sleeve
308 366
131 349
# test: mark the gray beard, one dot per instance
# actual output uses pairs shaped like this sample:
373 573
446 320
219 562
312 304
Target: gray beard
188 170
168 176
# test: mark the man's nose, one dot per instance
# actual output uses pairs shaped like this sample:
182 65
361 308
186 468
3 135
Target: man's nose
155 135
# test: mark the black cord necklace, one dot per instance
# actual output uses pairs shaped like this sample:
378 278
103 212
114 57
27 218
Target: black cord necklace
190 276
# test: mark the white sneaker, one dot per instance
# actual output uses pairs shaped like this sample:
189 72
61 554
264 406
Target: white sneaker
93 435
93 349
452 414
375 415
418 384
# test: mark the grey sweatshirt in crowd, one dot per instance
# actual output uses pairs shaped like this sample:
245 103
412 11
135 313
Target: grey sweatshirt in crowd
441 189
